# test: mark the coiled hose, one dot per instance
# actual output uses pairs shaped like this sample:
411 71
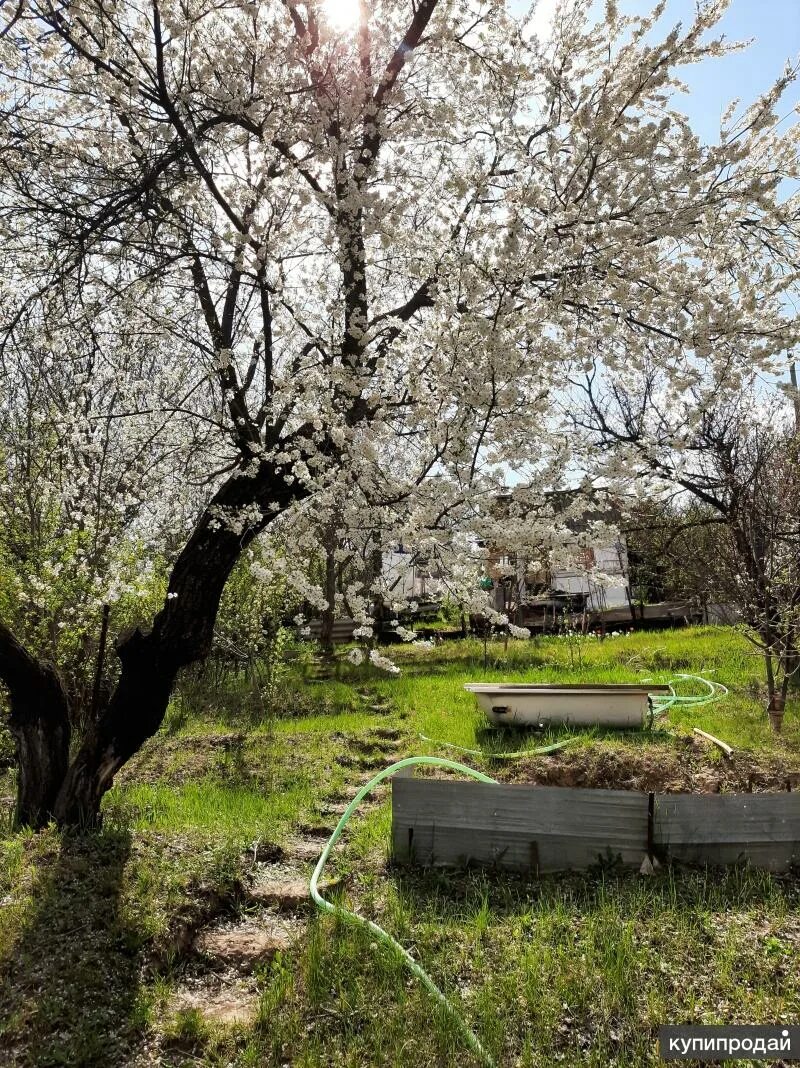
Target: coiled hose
715 691
351 917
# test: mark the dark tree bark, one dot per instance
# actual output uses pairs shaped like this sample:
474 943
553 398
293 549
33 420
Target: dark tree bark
182 633
40 725
328 616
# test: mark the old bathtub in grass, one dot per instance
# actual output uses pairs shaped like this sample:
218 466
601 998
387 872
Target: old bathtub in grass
577 704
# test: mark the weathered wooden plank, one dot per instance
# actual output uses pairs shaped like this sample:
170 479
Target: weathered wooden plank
522 828
536 828
723 746
436 844
763 829
342 629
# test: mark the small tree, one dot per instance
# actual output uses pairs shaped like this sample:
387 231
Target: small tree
737 534
758 561
670 540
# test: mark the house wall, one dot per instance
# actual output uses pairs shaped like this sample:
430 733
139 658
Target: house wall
581 575
402 577
610 560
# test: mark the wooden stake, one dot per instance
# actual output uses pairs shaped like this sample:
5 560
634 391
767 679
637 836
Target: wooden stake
726 749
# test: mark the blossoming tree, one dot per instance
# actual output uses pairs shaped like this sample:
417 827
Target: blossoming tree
370 248
730 452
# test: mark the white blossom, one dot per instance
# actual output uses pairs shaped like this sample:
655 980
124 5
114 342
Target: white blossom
383 663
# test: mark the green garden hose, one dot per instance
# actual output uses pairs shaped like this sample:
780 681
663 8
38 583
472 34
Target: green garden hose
716 691
351 917
659 706
541 751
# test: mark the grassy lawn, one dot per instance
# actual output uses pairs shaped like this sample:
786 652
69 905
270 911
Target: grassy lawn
97 932
430 689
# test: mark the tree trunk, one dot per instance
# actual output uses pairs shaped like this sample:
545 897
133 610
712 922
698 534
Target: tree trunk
182 633
775 710
133 715
774 703
40 725
328 617
376 576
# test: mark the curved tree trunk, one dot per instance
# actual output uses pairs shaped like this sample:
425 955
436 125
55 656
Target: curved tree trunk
182 633
40 725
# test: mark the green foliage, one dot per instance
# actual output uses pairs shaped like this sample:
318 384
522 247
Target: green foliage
52 601
254 610
255 647
669 546
574 639
451 613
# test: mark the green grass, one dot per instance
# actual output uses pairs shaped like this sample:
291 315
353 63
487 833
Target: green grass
431 690
565 970
575 970
223 810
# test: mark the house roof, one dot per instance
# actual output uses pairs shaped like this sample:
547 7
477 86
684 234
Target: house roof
578 509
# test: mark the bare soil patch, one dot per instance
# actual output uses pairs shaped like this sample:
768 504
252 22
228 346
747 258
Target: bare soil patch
288 892
219 1002
688 768
243 944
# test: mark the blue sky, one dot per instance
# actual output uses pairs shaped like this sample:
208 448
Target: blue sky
774 26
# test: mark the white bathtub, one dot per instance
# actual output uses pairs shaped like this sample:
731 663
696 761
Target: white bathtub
583 705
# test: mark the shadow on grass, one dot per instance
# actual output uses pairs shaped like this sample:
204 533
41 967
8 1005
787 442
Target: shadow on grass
501 739
68 989
440 895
